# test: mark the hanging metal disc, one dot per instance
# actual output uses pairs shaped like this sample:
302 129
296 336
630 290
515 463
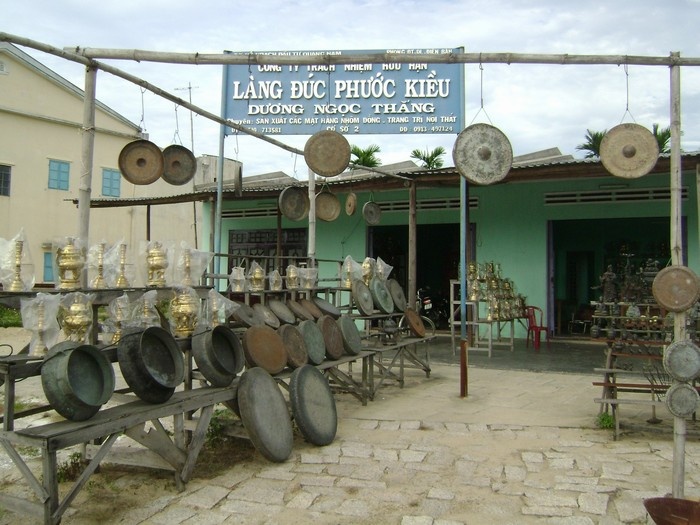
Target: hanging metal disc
482 154
294 203
327 206
682 399
682 360
676 288
372 213
141 162
350 204
327 153
629 151
180 165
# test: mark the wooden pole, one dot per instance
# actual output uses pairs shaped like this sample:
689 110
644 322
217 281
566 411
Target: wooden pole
87 148
412 236
679 329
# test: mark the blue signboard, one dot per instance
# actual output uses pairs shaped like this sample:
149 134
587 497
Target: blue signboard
395 98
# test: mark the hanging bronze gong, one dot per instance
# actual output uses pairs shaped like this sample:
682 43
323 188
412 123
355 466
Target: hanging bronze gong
372 213
350 204
327 153
294 203
629 151
482 154
682 399
676 288
327 206
180 165
141 162
682 360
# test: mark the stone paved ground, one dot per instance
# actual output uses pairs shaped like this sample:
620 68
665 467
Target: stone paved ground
522 448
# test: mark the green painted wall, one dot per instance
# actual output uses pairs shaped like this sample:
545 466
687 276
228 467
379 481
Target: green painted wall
511 224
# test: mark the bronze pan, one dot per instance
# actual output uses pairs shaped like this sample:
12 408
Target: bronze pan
180 165
294 343
141 162
294 203
264 347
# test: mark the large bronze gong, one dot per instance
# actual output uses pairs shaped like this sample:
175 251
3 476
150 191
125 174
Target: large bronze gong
141 162
180 165
327 153
629 151
482 154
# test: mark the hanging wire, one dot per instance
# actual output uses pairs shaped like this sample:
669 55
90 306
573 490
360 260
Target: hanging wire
627 95
481 94
142 124
176 135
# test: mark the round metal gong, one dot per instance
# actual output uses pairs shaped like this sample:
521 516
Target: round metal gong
415 323
282 311
350 204
263 347
141 162
313 405
264 415
482 154
315 345
180 165
293 340
332 337
362 297
245 315
397 294
327 206
381 296
372 213
676 288
352 341
311 307
267 314
682 360
327 307
629 151
294 203
299 311
681 399
327 153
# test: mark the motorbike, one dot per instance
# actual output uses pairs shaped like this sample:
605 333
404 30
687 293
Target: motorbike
433 309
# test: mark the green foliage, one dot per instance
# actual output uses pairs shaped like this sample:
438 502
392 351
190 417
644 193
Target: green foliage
71 469
431 160
366 157
217 425
605 421
592 144
9 317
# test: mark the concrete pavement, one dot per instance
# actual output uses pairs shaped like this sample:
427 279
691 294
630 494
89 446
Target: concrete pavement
522 448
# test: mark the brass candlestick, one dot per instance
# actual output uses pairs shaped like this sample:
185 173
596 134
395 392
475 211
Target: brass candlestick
17 285
40 348
157 262
99 280
347 274
187 268
118 318
70 262
122 281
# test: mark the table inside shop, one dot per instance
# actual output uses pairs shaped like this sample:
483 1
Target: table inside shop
401 354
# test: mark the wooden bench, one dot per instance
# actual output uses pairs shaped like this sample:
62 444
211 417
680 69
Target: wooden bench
402 354
179 450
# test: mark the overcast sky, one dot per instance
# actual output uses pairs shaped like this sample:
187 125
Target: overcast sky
536 106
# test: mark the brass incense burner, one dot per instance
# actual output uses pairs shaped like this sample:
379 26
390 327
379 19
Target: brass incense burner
292 278
257 279
184 309
77 320
70 263
367 270
275 281
157 263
